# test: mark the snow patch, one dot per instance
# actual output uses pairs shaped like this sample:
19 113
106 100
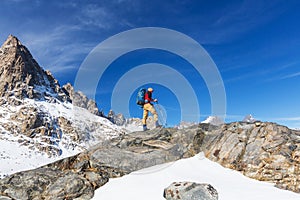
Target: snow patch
230 184
213 120
16 156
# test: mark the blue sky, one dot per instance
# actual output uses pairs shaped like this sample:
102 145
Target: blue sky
254 44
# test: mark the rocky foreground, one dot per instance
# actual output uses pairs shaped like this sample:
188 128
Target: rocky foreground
79 176
264 151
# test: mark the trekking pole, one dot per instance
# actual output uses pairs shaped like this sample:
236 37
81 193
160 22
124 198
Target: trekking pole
161 116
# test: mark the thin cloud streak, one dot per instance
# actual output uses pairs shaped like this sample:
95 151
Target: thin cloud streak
236 20
291 75
268 71
55 50
97 16
57 47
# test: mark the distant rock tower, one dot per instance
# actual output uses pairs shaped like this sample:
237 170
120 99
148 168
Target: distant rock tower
249 118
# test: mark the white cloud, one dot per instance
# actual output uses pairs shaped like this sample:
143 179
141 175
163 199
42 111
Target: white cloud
55 50
55 47
291 75
94 15
101 16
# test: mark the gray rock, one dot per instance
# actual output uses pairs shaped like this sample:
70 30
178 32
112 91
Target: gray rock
117 119
139 150
137 122
81 100
50 183
190 191
5 198
69 186
261 150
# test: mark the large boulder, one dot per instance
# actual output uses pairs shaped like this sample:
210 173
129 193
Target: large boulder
50 183
190 191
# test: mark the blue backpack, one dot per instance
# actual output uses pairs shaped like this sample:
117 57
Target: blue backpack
140 99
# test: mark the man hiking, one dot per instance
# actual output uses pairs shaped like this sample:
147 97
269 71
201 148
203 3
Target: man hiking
149 107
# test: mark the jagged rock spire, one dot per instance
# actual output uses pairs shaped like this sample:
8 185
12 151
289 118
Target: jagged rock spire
11 41
21 75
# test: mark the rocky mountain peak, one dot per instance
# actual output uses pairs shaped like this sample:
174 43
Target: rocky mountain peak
35 111
249 118
11 41
22 77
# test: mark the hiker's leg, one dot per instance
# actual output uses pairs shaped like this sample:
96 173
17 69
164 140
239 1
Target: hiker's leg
153 112
145 116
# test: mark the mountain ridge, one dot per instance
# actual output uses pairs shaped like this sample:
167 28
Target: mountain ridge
39 113
275 158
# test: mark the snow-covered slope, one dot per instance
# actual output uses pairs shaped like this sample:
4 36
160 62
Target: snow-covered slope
81 130
16 157
148 184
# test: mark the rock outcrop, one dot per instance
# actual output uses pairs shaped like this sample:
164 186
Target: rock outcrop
190 190
80 175
49 183
117 119
261 150
81 100
137 122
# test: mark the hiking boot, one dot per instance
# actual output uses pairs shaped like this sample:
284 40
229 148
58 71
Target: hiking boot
145 127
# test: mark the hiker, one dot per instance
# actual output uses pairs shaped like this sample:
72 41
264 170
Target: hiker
149 107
